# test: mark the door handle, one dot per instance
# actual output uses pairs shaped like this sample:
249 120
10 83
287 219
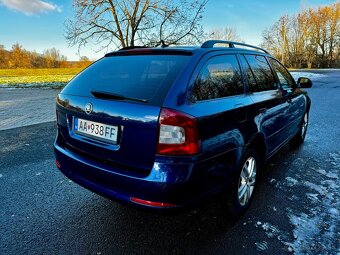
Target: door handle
262 110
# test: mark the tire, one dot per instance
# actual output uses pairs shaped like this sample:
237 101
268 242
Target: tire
299 138
244 183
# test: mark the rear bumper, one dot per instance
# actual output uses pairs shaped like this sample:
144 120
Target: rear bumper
177 184
167 183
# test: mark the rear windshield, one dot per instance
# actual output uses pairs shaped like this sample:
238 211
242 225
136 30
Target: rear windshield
146 77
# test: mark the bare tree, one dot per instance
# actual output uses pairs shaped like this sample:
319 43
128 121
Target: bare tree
283 26
37 60
276 38
123 23
334 34
225 33
53 58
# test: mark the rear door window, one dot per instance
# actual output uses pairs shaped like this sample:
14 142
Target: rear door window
147 77
259 73
219 77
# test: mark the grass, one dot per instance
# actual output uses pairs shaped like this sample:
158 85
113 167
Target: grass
47 77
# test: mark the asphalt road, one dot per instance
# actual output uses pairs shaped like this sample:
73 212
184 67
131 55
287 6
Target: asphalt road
296 208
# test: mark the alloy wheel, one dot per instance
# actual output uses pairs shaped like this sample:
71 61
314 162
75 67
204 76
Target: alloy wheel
304 125
247 181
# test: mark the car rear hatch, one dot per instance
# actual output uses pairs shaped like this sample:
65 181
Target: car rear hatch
109 112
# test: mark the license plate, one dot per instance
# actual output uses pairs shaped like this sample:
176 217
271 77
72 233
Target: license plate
99 131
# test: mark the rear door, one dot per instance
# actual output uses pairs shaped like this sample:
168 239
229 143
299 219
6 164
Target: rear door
123 95
270 107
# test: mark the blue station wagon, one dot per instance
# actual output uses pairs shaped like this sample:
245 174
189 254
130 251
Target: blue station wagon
168 127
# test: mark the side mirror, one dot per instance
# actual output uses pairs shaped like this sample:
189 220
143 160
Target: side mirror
304 82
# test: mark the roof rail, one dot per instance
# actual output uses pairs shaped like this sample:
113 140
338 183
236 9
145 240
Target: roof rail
211 43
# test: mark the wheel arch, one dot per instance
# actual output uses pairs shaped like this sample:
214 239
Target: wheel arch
258 143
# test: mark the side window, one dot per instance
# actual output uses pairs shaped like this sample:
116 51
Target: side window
261 73
249 72
219 77
285 78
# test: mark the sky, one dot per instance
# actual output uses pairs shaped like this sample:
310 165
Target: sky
39 24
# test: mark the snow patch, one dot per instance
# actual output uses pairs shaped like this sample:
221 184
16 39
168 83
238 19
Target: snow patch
327 174
335 159
270 230
320 171
298 161
331 184
315 232
291 181
313 197
334 211
305 232
315 223
320 189
297 75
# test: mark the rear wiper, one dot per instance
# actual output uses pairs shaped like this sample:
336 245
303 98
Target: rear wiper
108 95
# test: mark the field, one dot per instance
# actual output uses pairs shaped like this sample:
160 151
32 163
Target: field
47 77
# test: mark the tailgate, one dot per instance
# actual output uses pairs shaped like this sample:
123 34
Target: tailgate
136 126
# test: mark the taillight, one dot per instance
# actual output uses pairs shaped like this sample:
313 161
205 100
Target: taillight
178 134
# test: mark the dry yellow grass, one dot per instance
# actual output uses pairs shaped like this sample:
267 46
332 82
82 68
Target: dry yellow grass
47 77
